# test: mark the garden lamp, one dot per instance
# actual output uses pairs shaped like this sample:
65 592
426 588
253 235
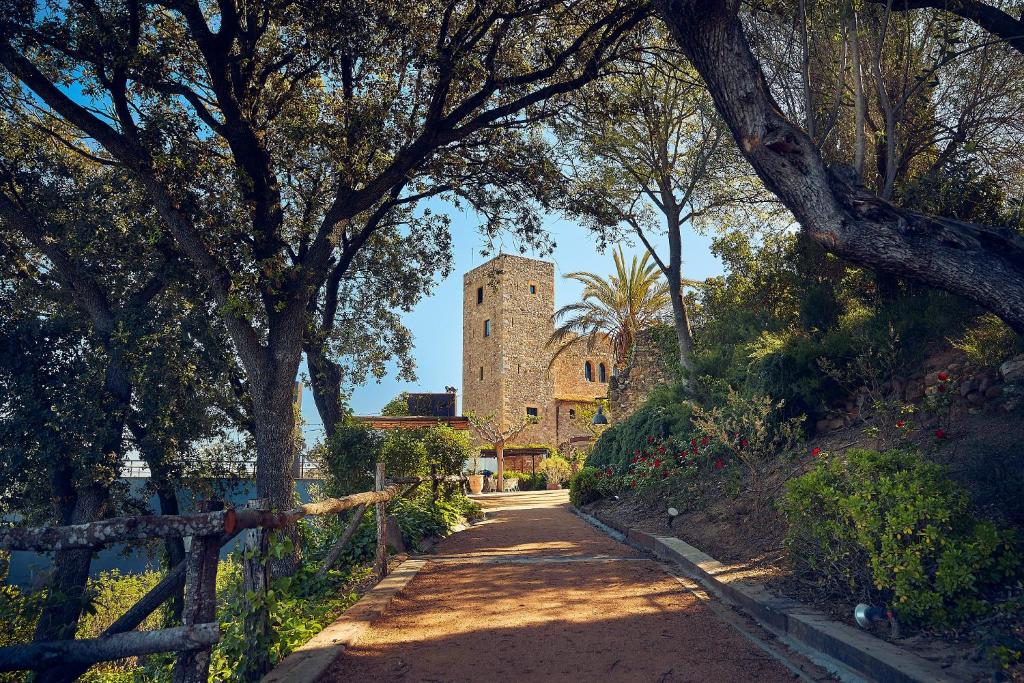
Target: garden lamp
599 418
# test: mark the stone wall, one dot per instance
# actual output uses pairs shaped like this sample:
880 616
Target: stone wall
519 300
481 356
645 370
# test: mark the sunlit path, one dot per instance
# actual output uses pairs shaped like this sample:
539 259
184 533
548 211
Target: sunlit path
536 594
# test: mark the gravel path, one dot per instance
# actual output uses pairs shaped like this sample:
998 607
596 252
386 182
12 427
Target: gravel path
536 594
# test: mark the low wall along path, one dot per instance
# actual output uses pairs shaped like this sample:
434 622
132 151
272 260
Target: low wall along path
536 594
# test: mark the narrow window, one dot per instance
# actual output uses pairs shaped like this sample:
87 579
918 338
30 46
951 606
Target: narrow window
533 289
588 371
481 373
479 295
572 413
602 374
531 412
487 328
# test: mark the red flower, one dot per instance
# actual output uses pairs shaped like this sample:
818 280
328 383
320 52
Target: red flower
940 434
815 452
650 439
662 449
657 463
744 443
704 441
664 475
609 471
693 442
900 424
943 376
719 464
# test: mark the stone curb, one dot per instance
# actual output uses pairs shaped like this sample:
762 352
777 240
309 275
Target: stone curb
307 663
866 655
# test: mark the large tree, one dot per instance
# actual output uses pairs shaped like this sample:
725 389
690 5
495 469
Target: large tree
222 111
85 265
983 263
644 150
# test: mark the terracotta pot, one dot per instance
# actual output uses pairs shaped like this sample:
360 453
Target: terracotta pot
476 483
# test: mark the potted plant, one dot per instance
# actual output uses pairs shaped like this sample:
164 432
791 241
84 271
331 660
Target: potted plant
475 478
556 470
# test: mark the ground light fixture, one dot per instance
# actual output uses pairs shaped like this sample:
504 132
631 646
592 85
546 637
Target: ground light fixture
672 514
867 616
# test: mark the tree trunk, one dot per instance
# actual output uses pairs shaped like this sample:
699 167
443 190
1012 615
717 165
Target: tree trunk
325 382
860 105
64 601
78 502
684 334
499 454
174 547
274 433
982 263
674 275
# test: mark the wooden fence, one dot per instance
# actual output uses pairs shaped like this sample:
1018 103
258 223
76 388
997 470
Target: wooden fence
209 528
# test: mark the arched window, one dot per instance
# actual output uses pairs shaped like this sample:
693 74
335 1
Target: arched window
602 373
588 371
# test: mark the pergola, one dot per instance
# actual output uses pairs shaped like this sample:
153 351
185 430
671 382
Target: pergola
413 421
515 453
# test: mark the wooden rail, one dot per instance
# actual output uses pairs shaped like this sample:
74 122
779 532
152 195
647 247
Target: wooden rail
209 529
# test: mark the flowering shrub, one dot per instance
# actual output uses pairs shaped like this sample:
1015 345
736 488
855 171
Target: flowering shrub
592 483
893 528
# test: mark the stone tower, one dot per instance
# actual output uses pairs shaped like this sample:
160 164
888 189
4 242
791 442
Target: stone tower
508 304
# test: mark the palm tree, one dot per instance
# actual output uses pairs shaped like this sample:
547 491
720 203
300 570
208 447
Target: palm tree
617 308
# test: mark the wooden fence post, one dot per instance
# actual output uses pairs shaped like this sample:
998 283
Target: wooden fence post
382 546
200 599
255 579
339 545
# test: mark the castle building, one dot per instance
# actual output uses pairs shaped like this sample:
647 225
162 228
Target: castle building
507 368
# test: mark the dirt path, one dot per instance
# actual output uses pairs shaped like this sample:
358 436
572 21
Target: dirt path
536 594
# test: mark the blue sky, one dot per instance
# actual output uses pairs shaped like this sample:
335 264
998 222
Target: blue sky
436 323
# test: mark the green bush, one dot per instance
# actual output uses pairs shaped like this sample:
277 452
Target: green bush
533 482
893 527
665 412
590 484
447 449
988 341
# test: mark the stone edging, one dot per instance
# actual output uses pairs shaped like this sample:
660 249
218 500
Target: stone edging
307 663
866 655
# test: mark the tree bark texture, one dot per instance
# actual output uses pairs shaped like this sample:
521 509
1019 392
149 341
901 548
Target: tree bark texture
116 530
982 263
382 521
325 384
274 422
994 20
256 580
200 605
92 650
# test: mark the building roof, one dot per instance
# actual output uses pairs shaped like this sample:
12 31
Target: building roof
536 450
413 421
